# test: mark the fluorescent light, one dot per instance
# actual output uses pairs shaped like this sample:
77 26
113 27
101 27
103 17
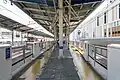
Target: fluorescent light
16 14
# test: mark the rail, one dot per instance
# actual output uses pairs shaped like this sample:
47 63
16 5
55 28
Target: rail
27 65
20 55
24 53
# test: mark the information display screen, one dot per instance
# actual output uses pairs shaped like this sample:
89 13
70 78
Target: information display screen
7 53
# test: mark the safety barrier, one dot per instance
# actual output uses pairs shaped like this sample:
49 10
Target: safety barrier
44 53
20 55
24 53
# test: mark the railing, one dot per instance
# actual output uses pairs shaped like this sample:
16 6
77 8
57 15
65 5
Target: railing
45 53
98 54
15 43
20 55
24 53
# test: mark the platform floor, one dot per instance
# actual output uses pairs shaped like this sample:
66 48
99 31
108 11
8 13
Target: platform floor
85 70
59 69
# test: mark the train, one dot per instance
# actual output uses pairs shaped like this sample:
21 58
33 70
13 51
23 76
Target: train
105 23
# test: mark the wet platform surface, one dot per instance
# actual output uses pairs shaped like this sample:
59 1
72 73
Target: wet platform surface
86 71
59 69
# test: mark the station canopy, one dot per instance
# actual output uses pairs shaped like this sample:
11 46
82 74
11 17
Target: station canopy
45 12
13 25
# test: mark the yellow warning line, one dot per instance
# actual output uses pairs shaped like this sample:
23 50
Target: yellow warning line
78 51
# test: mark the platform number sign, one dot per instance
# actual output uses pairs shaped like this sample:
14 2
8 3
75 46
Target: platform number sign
7 53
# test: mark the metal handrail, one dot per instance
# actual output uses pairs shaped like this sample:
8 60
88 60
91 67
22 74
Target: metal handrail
26 66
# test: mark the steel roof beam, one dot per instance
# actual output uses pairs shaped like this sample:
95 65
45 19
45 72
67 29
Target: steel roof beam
14 28
27 30
39 10
40 16
30 9
77 17
42 19
43 14
80 11
84 3
55 6
44 24
47 8
5 26
93 4
72 8
81 6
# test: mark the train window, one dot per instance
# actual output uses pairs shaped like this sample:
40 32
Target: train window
85 45
104 34
115 32
105 18
118 31
97 21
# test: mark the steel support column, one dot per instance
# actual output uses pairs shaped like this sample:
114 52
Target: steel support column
55 33
60 28
69 13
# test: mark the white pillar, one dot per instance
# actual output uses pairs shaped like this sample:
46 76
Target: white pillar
113 62
60 28
21 38
12 37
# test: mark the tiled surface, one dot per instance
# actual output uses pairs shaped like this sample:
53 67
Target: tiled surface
59 69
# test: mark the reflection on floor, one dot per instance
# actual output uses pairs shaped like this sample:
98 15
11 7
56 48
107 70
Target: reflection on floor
31 73
69 73
58 69
86 72
89 74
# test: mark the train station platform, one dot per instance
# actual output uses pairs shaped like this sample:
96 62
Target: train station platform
59 69
62 69
31 29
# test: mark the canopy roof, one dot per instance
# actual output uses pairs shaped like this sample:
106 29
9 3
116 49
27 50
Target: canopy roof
13 25
44 12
